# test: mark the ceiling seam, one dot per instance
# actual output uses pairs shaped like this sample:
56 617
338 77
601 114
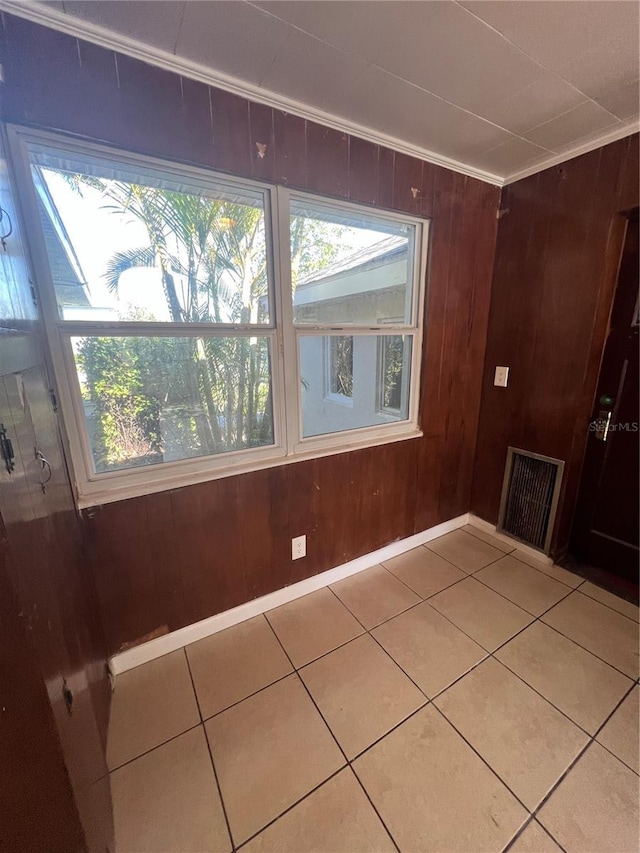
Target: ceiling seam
112 40
512 134
555 74
179 32
386 71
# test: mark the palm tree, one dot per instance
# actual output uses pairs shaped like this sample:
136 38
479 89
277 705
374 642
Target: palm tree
212 259
211 256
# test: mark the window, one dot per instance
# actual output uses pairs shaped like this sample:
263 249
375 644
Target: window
392 374
339 361
349 268
202 325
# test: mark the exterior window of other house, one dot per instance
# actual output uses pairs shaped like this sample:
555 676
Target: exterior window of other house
356 266
392 373
202 325
340 367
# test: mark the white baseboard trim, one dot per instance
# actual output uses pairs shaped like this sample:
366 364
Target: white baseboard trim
191 633
481 524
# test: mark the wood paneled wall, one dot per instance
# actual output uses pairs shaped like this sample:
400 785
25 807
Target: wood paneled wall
558 249
36 800
169 559
54 794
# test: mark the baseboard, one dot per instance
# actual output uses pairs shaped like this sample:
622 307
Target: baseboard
191 633
481 524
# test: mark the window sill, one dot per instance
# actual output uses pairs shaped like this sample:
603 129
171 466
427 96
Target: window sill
97 493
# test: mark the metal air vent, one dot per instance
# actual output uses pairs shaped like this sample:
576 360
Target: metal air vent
530 492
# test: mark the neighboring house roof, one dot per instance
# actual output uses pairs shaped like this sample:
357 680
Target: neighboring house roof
384 252
68 277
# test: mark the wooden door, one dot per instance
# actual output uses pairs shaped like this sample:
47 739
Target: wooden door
605 531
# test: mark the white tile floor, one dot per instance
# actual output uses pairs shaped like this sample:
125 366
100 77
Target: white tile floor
457 698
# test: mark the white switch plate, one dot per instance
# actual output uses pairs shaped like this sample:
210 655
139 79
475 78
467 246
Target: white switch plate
502 377
298 547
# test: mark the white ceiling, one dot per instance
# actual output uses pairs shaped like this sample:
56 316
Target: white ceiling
501 88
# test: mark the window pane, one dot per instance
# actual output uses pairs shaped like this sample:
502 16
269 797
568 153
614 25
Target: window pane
142 247
391 359
342 390
350 267
152 400
341 366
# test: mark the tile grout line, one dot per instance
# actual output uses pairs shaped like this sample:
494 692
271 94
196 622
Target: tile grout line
248 696
584 648
296 672
484 760
582 752
342 645
151 749
210 751
366 793
512 554
524 827
609 716
590 738
429 700
489 654
405 719
347 760
608 606
517 675
560 780
544 613
291 807
534 812
395 577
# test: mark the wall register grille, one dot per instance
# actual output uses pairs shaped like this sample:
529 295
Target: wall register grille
529 502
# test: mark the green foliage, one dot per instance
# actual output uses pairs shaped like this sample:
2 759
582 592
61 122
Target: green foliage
127 414
314 246
153 399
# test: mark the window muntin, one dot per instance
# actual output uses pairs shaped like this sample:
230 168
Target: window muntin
324 414
127 246
152 400
291 436
349 267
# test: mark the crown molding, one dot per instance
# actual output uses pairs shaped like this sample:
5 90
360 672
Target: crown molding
54 19
49 16
619 132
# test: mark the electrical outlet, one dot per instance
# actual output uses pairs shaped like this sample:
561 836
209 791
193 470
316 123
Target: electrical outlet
298 547
501 377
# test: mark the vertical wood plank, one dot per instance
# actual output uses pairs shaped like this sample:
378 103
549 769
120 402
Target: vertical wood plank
291 150
363 171
231 139
327 160
407 183
263 155
386 158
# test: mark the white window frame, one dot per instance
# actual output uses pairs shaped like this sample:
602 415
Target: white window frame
289 445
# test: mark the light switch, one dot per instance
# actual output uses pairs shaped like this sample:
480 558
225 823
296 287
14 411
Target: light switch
501 377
